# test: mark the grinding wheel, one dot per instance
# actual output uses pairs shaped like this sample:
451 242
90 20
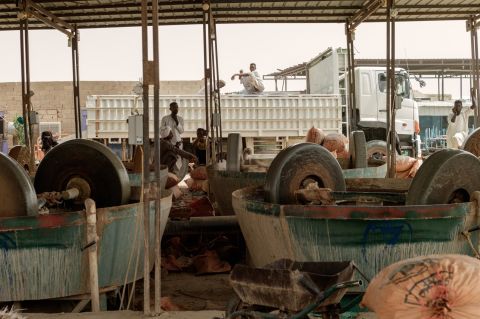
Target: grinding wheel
472 143
297 165
20 153
17 195
234 152
88 165
447 176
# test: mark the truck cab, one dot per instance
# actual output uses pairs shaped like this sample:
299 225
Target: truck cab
371 97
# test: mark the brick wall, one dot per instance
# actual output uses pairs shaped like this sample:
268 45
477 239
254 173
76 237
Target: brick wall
54 100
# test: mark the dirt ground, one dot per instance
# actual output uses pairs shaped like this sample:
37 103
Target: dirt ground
190 292
130 315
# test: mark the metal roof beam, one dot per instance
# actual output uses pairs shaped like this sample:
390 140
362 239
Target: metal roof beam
38 12
369 8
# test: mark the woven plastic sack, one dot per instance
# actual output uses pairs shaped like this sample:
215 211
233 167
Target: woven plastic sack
199 173
431 287
335 142
315 135
404 163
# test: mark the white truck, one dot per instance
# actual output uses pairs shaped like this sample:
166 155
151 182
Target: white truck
272 121
326 74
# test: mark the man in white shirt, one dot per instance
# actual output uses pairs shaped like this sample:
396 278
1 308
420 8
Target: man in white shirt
457 129
252 81
175 122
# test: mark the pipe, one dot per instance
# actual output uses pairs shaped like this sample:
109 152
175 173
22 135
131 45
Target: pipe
203 225
219 108
206 77
91 214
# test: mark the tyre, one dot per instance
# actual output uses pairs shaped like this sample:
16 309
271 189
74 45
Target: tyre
91 162
376 149
294 167
359 155
447 176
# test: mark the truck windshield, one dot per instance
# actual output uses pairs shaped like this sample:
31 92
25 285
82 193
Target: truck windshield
402 84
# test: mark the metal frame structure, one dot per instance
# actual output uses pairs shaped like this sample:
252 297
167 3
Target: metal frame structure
70 16
472 26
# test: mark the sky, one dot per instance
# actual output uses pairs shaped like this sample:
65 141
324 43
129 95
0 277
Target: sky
115 54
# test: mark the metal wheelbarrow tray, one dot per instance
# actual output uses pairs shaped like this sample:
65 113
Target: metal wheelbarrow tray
276 285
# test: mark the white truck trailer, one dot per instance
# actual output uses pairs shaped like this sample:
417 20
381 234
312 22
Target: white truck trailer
272 121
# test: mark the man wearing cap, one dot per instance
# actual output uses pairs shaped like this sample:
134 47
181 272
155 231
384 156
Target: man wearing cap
175 122
169 153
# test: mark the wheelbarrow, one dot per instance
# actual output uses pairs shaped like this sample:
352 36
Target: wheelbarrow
288 289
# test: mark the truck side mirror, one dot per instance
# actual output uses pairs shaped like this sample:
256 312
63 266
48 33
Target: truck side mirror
398 102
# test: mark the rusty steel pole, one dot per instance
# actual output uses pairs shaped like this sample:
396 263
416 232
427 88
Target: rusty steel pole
76 83
217 89
146 162
206 72
472 26
351 112
390 96
156 137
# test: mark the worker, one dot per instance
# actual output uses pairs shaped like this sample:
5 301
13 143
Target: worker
252 81
200 146
175 122
171 154
47 141
457 130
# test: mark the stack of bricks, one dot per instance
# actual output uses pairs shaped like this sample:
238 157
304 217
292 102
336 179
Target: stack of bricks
54 100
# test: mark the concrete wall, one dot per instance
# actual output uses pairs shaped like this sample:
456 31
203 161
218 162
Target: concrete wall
54 100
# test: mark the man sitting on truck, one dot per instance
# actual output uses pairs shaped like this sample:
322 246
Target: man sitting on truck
169 154
457 129
252 81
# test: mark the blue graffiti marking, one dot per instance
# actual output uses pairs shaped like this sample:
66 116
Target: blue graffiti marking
389 231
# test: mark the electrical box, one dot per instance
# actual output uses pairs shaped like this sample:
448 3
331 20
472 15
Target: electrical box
33 117
135 130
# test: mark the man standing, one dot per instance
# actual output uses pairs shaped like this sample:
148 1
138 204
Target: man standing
457 129
252 81
175 123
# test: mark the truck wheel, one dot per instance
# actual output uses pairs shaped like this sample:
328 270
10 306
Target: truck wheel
234 151
447 176
376 149
359 154
472 143
294 167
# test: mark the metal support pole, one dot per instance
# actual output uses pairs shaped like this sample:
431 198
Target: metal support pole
211 67
206 80
472 26
351 113
76 83
156 137
217 89
26 92
391 94
146 161
443 86
461 87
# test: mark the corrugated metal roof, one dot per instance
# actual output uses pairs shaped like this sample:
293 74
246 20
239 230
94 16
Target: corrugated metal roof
115 13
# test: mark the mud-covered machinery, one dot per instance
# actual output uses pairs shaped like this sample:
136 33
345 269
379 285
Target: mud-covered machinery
72 171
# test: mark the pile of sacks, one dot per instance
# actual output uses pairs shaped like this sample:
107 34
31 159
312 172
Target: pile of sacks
430 287
336 143
198 180
406 166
